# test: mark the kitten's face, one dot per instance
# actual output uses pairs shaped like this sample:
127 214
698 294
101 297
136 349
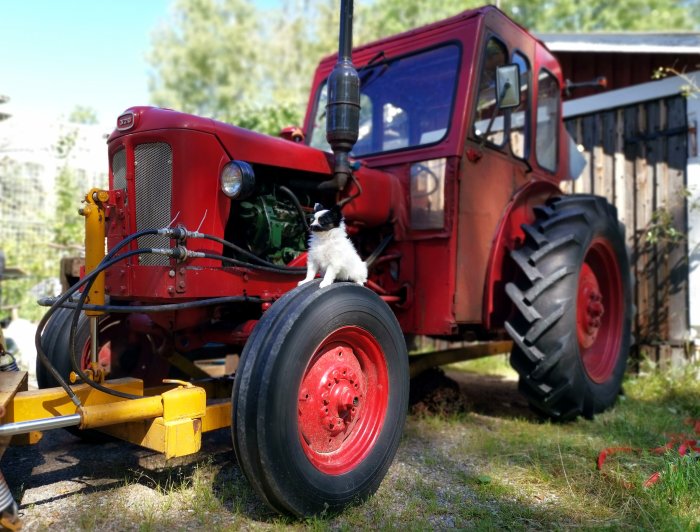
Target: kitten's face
325 219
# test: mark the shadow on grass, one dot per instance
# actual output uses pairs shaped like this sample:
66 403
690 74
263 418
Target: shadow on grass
543 475
483 461
62 466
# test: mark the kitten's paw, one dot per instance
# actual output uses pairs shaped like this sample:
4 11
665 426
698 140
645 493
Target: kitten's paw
303 281
325 283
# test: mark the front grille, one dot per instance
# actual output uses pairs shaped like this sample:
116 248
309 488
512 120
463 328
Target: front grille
154 175
119 170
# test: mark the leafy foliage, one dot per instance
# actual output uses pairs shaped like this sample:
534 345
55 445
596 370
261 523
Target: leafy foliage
23 234
229 60
34 234
83 114
68 226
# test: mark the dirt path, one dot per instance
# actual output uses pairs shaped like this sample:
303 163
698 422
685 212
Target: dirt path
67 483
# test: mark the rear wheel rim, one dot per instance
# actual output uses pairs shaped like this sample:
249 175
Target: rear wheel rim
599 311
342 400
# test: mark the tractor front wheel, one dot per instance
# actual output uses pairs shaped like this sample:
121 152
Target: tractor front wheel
320 398
572 312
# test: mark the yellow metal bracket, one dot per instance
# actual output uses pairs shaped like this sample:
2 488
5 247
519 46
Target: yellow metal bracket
177 432
94 213
171 422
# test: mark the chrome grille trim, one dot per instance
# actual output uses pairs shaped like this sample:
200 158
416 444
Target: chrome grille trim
153 183
119 170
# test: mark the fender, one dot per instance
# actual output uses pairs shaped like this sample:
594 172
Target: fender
509 235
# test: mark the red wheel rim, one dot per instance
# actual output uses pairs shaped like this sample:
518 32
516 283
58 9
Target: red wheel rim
599 308
104 353
342 400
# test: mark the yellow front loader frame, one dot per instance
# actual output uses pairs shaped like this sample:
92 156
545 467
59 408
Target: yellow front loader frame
170 422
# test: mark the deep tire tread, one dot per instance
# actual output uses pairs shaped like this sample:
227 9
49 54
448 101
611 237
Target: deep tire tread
543 322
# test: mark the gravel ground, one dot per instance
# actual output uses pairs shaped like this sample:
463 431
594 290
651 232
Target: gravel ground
68 483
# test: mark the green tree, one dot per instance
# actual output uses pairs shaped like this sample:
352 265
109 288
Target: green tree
68 226
82 114
24 235
231 61
602 15
206 59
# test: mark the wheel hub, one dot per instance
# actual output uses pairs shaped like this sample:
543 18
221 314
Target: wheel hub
331 399
590 307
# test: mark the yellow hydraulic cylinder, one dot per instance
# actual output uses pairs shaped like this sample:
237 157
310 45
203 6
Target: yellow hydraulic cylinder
94 214
121 411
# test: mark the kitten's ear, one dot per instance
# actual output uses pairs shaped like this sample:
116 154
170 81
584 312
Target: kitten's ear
318 207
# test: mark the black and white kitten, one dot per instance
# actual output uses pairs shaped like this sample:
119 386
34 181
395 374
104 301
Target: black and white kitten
330 250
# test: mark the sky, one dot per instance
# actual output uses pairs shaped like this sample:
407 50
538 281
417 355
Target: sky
56 54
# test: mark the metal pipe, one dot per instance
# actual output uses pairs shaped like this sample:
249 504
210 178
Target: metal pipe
93 342
343 108
345 33
23 427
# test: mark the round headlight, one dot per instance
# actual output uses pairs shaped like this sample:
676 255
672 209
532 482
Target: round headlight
237 180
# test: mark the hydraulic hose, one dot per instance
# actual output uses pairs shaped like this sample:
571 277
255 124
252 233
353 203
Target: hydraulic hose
76 316
180 234
107 262
170 307
297 205
284 271
62 299
379 250
262 263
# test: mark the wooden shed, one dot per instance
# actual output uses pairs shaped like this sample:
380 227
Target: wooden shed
641 148
624 59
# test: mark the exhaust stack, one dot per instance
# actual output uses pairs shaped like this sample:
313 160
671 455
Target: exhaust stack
343 108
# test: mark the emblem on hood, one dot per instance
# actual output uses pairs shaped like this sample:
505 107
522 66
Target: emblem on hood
126 121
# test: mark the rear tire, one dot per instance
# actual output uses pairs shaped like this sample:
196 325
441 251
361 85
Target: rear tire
320 398
571 323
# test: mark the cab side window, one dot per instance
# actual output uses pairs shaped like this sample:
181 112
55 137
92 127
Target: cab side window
495 55
547 139
519 137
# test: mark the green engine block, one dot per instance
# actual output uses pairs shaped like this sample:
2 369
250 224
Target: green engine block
273 228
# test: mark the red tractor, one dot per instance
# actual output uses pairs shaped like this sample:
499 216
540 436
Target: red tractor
446 149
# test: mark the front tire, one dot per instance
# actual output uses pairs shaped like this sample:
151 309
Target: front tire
571 323
320 398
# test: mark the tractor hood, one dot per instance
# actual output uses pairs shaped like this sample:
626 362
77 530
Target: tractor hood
238 143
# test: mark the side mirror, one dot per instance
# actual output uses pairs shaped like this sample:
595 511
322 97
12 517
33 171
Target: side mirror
507 86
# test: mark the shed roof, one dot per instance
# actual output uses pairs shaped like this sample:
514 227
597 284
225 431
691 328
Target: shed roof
628 42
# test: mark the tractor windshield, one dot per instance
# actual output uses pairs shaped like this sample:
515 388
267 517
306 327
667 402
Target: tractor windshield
405 102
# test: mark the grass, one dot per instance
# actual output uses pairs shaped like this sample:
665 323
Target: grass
466 470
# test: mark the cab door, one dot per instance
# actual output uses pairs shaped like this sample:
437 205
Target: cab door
495 161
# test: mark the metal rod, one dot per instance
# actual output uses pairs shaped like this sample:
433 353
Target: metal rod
93 341
23 427
345 33
419 363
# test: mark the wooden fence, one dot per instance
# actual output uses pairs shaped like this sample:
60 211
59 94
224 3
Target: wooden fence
636 157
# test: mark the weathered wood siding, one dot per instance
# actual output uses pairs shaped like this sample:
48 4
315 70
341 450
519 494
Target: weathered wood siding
636 157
